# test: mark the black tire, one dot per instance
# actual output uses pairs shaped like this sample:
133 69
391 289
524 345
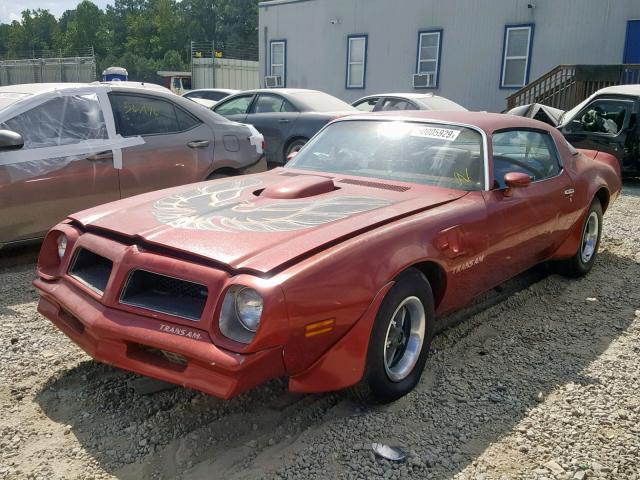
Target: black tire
222 174
376 385
582 262
293 146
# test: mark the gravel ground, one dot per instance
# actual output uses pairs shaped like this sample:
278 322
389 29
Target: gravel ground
543 385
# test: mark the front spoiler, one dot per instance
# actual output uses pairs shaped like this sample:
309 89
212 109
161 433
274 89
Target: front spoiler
133 342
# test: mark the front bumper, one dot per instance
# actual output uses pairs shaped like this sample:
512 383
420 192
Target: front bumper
136 343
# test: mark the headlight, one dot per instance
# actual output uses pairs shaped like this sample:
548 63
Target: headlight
249 308
62 245
240 313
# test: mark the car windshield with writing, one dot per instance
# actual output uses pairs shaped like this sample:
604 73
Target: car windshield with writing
444 155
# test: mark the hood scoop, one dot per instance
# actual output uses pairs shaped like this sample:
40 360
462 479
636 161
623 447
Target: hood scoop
298 187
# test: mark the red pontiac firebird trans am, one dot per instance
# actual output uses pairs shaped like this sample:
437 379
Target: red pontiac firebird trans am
331 271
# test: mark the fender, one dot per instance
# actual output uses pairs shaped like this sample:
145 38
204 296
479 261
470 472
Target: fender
570 246
343 364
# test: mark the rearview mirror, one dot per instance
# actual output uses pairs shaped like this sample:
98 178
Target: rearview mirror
515 180
10 140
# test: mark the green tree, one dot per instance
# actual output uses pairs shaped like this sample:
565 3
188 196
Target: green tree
83 27
141 35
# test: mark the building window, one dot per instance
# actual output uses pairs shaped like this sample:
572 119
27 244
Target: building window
516 56
356 61
429 45
278 57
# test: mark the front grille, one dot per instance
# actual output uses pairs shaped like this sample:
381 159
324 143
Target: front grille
91 269
164 294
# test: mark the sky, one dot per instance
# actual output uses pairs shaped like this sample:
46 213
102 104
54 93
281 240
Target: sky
10 9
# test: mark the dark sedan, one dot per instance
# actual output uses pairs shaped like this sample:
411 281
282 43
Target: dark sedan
287 117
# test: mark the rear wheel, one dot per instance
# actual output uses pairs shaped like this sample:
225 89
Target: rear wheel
399 341
582 262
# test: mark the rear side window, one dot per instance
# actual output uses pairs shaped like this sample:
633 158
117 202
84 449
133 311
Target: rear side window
144 115
525 151
268 103
186 121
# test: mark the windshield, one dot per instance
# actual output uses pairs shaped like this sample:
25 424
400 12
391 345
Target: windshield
428 153
320 102
9 98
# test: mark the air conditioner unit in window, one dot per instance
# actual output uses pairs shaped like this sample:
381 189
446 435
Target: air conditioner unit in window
423 80
273 81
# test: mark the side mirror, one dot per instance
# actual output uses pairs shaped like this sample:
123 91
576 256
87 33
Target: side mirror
515 180
10 140
292 155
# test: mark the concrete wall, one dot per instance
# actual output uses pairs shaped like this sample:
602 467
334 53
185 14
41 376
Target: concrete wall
566 31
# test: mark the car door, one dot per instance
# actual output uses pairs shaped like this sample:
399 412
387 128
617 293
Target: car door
274 117
177 148
524 223
40 184
235 108
605 124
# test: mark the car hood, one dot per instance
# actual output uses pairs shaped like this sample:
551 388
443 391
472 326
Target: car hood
550 115
262 222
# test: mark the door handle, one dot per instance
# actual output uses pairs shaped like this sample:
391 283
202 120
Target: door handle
568 192
198 144
97 157
283 120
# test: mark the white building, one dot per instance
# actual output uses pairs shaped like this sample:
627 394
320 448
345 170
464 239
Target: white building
475 52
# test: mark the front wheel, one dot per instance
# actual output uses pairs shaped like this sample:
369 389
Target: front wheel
582 262
399 341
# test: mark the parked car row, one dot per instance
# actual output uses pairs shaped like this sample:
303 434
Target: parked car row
289 117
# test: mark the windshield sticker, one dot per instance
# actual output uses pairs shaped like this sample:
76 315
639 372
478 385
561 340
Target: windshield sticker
434 132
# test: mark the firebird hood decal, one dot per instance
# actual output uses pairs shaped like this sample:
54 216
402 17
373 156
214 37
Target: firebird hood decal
230 222
219 207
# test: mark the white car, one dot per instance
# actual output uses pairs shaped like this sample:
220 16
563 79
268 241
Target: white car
406 101
209 96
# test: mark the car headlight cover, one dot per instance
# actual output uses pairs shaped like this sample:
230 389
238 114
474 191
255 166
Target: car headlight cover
62 245
240 313
248 305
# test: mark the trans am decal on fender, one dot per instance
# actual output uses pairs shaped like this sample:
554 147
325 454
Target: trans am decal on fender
217 207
